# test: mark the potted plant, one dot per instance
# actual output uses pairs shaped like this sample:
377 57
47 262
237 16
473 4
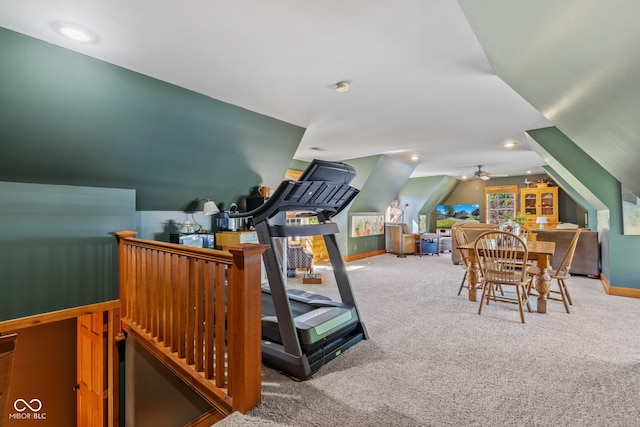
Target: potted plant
520 219
544 182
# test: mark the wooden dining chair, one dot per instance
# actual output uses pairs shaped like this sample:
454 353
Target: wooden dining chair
559 274
527 235
460 238
501 254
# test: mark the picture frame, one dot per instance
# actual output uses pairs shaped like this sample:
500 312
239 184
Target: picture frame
630 212
367 225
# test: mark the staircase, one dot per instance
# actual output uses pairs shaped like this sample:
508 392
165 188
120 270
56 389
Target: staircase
195 310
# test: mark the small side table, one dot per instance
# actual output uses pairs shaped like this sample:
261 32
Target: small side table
420 238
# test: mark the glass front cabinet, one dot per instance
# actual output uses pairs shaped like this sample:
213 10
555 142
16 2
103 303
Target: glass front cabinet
539 202
500 201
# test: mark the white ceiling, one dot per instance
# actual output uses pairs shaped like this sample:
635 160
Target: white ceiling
420 82
577 62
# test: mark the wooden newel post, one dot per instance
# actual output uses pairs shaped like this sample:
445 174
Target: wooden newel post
123 274
244 326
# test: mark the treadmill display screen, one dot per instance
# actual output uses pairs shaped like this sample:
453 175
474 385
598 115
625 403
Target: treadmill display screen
322 170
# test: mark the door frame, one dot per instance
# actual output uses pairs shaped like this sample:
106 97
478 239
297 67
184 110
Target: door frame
114 336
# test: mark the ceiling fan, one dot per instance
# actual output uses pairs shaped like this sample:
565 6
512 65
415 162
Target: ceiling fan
485 176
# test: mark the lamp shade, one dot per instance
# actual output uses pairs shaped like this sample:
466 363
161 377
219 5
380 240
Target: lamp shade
542 220
210 208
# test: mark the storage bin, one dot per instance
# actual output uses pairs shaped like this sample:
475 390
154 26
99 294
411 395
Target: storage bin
430 246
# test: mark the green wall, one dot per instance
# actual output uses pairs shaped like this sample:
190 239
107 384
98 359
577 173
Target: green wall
70 121
423 195
472 191
619 265
66 118
57 249
379 179
74 123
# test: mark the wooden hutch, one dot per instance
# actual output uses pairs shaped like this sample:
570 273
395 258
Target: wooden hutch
539 202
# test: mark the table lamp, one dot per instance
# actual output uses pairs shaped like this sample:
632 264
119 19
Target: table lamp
542 220
210 208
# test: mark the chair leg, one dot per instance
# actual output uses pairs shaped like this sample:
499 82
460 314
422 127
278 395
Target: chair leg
531 290
462 283
492 291
520 303
485 288
566 290
526 297
495 287
563 295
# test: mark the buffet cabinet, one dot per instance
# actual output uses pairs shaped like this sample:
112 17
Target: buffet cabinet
539 202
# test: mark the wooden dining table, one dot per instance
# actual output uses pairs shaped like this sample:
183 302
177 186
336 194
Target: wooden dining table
538 251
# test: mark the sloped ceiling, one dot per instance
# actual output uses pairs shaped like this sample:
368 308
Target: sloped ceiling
577 63
420 82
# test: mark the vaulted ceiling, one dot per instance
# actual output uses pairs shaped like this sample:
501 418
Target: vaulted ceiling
448 82
577 63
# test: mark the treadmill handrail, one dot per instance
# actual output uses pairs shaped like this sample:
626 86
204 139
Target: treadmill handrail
304 230
324 199
264 211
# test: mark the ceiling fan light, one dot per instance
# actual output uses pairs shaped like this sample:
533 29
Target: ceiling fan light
484 177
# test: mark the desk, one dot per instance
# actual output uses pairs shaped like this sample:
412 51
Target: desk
540 251
228 238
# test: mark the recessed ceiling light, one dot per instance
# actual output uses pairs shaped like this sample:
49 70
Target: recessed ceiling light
464 177
509 144
74 32
342 87
414 158
529 172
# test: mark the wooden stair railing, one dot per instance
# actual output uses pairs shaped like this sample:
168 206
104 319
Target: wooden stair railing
198 311
7 347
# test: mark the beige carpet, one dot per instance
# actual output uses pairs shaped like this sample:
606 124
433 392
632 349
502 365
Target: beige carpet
432 361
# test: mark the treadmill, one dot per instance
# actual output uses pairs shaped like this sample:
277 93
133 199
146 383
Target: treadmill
302 331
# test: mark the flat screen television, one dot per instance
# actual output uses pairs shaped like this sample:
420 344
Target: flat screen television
447 215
